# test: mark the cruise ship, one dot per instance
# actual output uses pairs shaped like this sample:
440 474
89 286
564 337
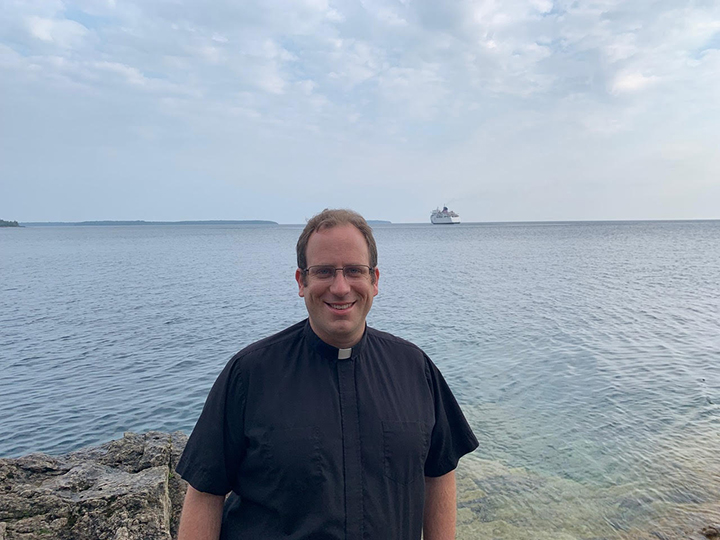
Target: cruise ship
444 216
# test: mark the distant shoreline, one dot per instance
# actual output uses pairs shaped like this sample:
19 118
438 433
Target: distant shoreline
108 223
111 223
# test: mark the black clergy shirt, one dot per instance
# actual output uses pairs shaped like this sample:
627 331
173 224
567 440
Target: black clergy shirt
317 447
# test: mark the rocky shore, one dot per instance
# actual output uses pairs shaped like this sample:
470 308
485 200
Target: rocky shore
123 490
127 490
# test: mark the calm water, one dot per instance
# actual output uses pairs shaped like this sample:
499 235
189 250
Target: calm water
586 355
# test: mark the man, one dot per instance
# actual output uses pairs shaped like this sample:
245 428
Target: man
329 429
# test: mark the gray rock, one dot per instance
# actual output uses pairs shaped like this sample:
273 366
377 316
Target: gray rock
123 490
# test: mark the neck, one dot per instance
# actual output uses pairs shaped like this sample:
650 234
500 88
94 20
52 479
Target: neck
335 341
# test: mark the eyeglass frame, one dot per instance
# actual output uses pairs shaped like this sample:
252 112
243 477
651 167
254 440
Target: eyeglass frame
306 271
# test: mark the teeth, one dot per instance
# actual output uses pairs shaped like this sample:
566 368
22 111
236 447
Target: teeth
340 306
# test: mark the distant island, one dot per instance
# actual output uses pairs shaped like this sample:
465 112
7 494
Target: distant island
141 222
111 223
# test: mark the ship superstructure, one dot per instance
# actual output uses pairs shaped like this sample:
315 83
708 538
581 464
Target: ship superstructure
444 216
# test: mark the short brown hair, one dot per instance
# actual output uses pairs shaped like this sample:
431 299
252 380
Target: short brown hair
329 218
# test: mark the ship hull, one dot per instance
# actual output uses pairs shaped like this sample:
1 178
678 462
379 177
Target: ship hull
444 220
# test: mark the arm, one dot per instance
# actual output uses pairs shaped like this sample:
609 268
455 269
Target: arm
440 507
201 516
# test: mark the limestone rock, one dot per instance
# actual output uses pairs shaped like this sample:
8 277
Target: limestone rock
125 489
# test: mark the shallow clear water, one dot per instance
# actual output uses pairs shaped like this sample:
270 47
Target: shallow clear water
586 355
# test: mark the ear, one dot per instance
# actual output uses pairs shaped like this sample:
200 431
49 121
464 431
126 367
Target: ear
301 284
377 278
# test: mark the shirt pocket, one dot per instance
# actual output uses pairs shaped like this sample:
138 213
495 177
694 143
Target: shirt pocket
405 447
293 457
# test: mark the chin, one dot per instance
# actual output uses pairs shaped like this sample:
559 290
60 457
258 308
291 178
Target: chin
341 332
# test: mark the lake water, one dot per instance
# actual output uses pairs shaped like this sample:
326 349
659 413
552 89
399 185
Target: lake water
585 355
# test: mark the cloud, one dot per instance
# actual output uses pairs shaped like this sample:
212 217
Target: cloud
383 12
130 74
63 33
352 62
632 82
418 90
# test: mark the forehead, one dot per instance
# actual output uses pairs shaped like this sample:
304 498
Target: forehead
342 244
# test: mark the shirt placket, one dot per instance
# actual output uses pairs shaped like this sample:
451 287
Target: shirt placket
351 449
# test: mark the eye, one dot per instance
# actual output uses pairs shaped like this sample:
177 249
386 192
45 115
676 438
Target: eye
323 271
357 272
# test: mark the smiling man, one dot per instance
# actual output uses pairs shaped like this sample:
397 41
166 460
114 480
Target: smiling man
329 429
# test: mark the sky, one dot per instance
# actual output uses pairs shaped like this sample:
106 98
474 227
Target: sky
503 110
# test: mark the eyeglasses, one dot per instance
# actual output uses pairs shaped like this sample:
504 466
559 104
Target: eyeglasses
326 272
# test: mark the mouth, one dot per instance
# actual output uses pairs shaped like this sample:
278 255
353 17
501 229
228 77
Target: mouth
340 307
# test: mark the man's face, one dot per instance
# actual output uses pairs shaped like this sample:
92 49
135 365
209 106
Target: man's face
337 308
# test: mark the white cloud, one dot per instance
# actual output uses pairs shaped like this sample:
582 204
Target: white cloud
355 62
244 112
542 6
421 92
632 82
63 33
334 16
130 74
273 50
213 55
621 47
9 59
306 87
384 12
269 79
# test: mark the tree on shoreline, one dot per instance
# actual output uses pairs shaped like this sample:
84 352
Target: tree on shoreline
4 223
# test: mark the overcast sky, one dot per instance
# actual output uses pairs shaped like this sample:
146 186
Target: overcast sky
505 110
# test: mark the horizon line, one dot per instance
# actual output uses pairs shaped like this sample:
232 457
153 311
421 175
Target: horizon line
131 222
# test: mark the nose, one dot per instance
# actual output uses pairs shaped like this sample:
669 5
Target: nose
339 285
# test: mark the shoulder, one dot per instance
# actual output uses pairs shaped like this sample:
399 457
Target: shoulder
282 341
401 351
404 350
390 341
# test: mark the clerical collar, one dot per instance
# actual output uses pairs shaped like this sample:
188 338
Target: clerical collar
330 352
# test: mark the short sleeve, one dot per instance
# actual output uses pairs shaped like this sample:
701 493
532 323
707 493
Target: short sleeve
451 436
215 448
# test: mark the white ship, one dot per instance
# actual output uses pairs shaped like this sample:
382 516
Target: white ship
444 216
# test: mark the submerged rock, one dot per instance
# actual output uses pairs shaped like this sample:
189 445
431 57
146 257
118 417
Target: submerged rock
125 489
